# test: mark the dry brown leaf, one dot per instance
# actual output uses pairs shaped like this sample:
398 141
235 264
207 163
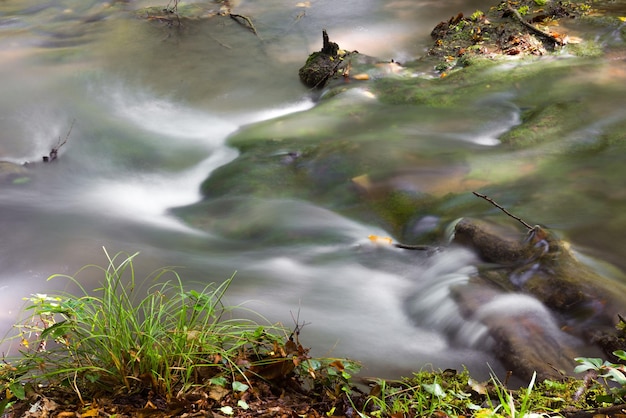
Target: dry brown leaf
218 392
337 364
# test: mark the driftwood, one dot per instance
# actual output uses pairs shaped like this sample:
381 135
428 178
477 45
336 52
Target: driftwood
54 152
322 65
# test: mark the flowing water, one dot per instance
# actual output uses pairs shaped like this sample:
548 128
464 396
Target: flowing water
151 107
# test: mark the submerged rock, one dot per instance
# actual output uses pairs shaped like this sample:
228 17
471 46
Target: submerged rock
13 173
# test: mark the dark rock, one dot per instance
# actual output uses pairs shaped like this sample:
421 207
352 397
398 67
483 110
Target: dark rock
322 65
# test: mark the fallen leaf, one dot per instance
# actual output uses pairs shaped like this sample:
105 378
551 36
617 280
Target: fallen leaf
218 392
337 364
361 76
379 240
363 181
91 412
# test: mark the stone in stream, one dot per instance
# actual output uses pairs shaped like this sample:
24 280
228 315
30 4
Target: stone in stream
581 305
322 65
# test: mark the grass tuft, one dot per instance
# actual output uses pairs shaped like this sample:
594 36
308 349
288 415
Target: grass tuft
168 339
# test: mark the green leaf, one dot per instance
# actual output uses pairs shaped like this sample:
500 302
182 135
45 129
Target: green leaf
583 368
218 381
588 363
315 364
605 398
621 354
18 390
434 389
240 387
228 410
242 404
616 376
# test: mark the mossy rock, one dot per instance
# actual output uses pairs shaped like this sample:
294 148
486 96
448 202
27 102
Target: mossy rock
582 301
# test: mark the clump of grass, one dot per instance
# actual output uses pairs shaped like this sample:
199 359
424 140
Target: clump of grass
509 405
119 339
427 393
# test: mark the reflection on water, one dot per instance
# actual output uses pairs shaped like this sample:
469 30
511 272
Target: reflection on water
154 107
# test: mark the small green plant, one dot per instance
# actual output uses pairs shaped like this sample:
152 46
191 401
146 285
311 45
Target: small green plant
541 3
523 10
425 394
477 15
613 375
508 404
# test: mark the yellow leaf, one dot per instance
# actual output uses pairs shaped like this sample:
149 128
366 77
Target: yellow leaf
92 412
361 76
622 18
363 181
380 240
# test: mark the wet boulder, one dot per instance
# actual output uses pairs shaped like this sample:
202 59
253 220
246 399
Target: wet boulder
582 306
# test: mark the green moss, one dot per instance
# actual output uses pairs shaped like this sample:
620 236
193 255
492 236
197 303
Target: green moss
551 121
584 49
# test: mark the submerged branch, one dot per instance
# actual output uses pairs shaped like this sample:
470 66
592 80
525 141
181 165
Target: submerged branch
493 202
248 23
54 152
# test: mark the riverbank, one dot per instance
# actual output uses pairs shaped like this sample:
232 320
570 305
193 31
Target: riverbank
178 352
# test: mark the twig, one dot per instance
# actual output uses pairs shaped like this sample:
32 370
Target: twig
173 10
532 28
249 25
413 247
298 328
493 202
59 143
54 152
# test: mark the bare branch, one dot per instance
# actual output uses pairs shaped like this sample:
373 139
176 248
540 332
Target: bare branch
493 202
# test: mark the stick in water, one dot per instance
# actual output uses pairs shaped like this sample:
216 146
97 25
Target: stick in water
493 202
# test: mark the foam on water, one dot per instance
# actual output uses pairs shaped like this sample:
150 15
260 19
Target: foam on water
168 118
148 197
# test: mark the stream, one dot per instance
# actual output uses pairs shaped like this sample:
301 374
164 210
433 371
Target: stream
150 109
